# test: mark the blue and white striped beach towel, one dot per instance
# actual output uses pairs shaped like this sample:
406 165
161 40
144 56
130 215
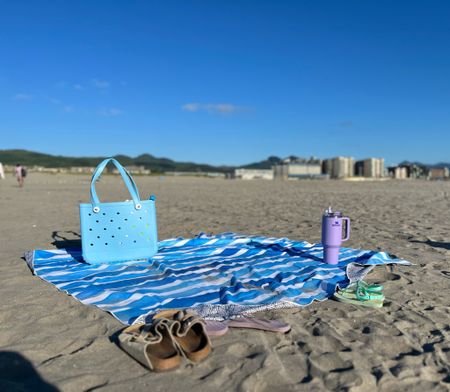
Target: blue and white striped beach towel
220 276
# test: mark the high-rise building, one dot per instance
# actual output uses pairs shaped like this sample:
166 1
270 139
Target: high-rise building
415 171
370 168
339 167
399 173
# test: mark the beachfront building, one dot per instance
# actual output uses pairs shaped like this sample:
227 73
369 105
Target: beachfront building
415 171
398 173
438 173
293 167
339 167
133 169
253 174
195 174
81 170
51 170
370 168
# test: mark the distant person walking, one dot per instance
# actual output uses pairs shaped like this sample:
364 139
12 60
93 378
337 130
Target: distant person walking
2 172
20 173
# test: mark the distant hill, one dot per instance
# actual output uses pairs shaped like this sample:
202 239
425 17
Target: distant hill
439 164
157 165
30 158
266 164
442 164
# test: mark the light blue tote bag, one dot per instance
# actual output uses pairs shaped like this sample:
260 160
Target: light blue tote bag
119 231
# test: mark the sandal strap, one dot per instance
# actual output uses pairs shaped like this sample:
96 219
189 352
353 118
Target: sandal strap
151 332
186 324
362 293
180 328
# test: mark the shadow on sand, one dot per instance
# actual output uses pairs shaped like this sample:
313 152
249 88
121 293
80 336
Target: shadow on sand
434 244
18 374
65 240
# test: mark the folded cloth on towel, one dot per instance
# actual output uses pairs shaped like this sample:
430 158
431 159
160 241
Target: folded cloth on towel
220 276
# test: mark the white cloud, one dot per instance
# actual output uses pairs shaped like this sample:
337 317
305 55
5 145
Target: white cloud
111 112
222 108
78 87
68 108
191 107
101 84
22 97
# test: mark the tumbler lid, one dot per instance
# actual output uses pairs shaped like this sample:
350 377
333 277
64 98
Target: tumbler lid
330 212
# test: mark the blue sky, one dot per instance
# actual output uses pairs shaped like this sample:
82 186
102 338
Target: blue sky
227 82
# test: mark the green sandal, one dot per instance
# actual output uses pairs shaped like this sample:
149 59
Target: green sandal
360 296
374 288
371 303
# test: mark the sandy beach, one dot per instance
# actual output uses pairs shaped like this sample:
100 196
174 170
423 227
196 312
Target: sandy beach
404 346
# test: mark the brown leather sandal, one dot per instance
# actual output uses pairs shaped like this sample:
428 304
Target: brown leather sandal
151 345
188 331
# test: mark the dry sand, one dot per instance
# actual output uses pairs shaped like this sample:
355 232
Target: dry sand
403 346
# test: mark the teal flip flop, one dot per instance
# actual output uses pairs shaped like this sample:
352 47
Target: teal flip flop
351 299
375 288
358 295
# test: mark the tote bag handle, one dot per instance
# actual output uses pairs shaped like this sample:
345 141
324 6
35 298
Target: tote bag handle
127 179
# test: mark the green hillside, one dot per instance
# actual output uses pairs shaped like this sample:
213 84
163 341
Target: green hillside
266 164
157 165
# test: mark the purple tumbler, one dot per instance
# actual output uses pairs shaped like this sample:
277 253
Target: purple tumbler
332 235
